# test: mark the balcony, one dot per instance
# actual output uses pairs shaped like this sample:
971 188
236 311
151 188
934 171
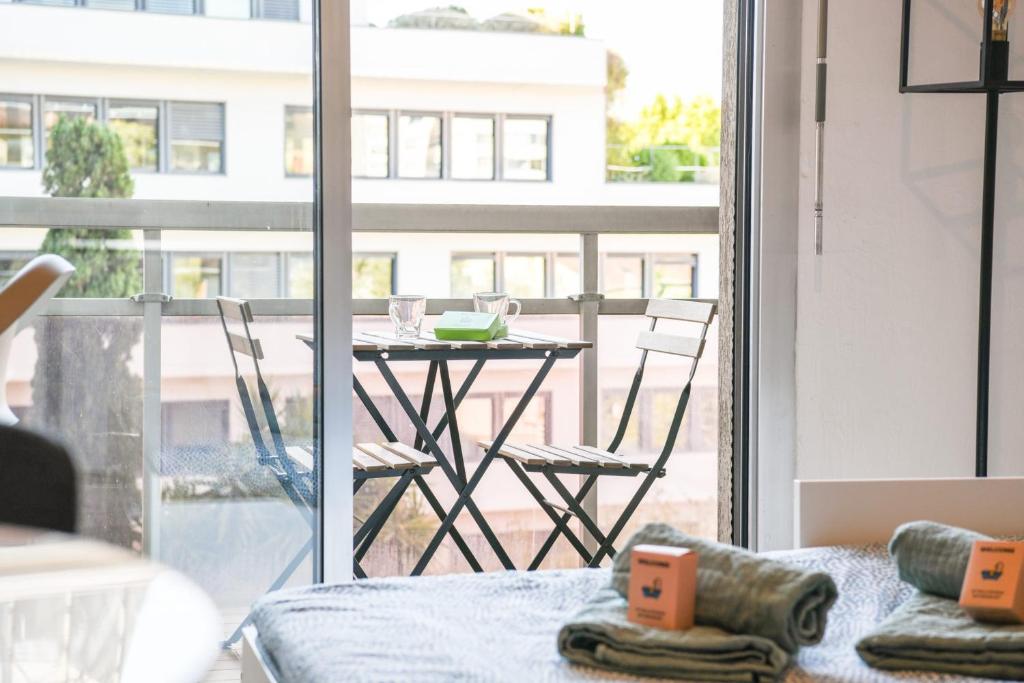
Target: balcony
168 467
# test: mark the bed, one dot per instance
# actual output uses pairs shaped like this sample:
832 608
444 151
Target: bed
502 626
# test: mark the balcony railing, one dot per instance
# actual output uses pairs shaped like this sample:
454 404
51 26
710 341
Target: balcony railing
157 217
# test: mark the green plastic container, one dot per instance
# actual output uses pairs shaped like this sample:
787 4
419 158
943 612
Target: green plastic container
467 326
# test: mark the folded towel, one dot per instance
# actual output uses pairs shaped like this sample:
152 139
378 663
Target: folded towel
744 593
933 557
600 635
930 633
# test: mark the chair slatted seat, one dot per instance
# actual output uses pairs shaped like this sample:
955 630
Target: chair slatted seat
591 462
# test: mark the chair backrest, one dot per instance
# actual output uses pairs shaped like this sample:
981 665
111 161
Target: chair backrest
698 313
37 482
236 317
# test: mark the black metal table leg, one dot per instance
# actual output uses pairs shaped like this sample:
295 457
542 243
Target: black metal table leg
464 499
453 423
428 395
446 467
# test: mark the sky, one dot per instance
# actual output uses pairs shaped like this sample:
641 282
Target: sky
673 47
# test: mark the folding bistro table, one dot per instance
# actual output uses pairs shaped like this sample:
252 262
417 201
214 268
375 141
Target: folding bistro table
382 349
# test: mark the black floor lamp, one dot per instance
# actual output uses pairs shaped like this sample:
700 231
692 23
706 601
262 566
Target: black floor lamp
993 81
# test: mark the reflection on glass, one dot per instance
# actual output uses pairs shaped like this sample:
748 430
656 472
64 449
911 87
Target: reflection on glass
672 279
196 277
255 276
16 148
419 146
137 125
370 146
525 149
623 276
567 274
372 276
524 276
298 141
472 273
472 148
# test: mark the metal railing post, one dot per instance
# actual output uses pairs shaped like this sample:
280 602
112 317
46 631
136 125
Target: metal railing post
589 303
152 299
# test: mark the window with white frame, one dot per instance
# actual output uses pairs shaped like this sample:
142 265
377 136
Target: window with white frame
526 147
419 146
472 147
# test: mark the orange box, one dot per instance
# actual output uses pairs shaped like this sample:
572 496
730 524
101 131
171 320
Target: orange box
993 587
662 586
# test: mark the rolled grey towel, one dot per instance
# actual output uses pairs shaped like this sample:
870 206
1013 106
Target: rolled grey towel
742 592
933 557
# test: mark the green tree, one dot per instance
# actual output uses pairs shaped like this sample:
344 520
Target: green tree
83 389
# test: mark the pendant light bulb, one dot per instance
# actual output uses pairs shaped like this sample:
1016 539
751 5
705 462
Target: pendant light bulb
1001 11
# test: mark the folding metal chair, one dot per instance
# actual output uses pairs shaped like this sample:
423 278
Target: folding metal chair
592 463
295 467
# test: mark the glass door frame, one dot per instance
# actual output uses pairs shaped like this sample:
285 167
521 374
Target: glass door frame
332 308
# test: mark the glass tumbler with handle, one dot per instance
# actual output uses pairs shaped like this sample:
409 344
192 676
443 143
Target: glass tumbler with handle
497 302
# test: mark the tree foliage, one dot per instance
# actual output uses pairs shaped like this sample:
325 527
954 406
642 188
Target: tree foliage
83 389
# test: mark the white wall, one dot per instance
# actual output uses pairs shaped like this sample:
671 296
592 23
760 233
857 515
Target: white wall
887 318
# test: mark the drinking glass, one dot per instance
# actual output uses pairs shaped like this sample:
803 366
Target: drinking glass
406 312
497 302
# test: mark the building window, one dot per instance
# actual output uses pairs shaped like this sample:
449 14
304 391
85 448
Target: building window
525 275
171 6
11 263
284 10
419 146
195 425
138 126
471 273
255 276
17 148
623 276
672 277
566 275
373 276
298 141
370 147
197 137
228 9
54 108
196 276
525 149
472 145
300 276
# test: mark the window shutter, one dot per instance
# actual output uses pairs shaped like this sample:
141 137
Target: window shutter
287 10
171 6
111 4
197 121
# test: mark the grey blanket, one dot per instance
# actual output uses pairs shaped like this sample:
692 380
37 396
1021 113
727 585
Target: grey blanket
929 633
745 593
599 635
933 557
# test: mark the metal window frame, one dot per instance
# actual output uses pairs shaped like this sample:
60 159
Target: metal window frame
392 142
32 101
223 139
548 167
445 143
450 147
